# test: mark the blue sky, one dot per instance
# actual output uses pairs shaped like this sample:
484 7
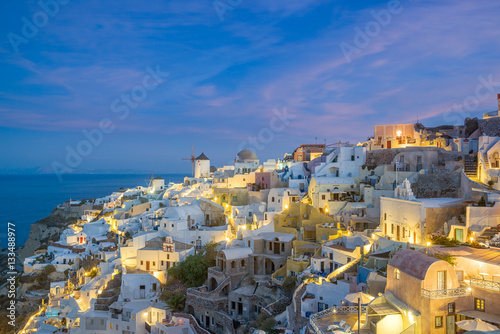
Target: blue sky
227 76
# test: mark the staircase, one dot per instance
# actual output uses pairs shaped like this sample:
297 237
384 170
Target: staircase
298 321
470 166
488 233
486 161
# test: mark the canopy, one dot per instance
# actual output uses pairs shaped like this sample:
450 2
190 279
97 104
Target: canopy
476 324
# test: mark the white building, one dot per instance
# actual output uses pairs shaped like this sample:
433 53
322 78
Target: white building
280 198
488 157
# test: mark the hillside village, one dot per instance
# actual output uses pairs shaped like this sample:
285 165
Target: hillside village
398 234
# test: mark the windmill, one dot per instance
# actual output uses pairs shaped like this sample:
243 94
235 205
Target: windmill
192 160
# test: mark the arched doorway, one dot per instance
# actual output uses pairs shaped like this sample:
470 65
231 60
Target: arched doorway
269 267
212 284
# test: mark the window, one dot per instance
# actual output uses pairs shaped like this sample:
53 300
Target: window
385 216
460 275
91 321
162 263
441 280
116 326
142 263
419 163
272 199
392 228
451 308
397 274
352 157
438 321
154 263
479 304
323 197
102 321
270 245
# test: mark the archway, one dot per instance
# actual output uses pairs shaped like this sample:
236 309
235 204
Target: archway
212 284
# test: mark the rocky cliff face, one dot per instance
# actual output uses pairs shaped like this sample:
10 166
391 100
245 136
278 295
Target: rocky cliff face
50 228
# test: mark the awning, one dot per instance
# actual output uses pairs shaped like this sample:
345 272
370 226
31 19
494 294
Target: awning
384 309
481 315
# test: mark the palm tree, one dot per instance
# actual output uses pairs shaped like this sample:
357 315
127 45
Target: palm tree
177 301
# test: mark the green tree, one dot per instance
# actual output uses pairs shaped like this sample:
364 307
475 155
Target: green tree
210 251
177 301
193 270
289 284
47 270
446 257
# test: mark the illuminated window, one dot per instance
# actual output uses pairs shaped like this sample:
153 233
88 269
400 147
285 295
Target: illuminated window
478 304
111 326
397 274
438 321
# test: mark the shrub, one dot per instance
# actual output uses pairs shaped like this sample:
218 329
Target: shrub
447 257
47 270
289 284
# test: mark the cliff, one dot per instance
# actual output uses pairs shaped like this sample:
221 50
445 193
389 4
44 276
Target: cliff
49 229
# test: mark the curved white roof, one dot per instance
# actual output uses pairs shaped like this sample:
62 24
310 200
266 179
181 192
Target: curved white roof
236 252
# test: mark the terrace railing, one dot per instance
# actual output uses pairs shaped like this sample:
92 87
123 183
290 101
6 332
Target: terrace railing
484 284
340 310
445 293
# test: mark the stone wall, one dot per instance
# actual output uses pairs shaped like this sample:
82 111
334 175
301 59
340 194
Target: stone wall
446 184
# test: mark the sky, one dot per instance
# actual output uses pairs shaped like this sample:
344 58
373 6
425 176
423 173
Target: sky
146 80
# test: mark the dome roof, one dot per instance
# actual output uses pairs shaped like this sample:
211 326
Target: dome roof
246 156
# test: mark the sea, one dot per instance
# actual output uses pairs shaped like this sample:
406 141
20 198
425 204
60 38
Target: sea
27 198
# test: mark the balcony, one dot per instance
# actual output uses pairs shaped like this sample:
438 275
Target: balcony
484 284
445 293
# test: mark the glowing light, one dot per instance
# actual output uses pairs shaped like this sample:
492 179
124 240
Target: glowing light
286 206
215 198
471 239
326 209
398 133
373 236
410 316
244 227
145 314
428 243
228 240
469 289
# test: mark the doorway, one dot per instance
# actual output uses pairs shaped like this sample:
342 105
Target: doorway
147 265
450 324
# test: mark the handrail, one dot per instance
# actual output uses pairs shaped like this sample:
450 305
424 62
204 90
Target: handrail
445 293
485 284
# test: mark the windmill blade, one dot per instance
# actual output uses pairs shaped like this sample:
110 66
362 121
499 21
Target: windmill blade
192 150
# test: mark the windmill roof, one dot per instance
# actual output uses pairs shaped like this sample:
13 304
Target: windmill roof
202 156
